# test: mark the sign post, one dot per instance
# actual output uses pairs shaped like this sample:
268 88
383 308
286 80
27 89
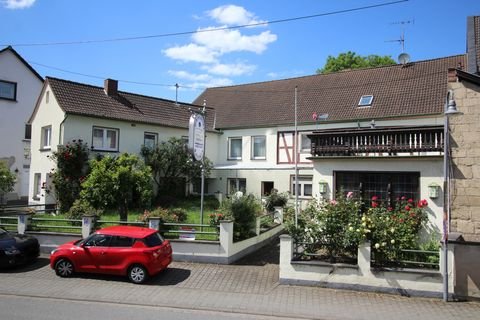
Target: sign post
196 146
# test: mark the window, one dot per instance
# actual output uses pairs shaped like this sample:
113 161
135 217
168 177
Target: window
304 187
150 140
121 241
267 187
365 101
37 185
153 240
8 90
387 186
105 139
235 184
28 131
46 137
235 148
98 240
259 147
305 143
197 185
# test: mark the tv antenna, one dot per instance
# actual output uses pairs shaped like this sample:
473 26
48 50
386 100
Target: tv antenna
404 57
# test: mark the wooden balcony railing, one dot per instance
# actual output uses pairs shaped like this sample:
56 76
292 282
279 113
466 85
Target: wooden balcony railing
390 141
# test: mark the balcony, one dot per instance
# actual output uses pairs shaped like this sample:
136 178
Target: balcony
378 142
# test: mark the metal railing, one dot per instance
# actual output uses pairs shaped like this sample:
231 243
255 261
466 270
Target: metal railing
416 259
191 231
56 225
9 222
104 223
318 251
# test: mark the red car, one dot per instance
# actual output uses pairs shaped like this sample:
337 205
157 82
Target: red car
121 250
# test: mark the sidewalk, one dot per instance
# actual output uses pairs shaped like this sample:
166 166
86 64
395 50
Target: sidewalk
231 288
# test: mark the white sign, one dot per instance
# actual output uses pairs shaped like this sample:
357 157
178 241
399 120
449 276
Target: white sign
196 136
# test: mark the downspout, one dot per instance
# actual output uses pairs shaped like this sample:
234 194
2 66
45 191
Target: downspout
60 130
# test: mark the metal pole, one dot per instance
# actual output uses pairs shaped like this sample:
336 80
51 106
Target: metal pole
446 206
202 193
296 161
202 188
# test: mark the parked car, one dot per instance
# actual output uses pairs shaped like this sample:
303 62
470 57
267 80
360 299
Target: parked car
17 249
130 251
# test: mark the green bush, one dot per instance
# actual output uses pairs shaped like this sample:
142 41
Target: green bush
243 210
81 208
176 215
275 199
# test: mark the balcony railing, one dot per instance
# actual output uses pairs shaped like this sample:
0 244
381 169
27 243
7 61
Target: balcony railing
392 141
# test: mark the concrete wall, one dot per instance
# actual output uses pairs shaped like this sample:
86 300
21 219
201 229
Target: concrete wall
14 150
467 275
465 144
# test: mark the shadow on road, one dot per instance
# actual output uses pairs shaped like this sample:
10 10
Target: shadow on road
268 254
29 266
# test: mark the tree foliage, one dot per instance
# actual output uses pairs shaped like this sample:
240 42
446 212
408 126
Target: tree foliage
171 162
120 182
350 60
72 167
7 180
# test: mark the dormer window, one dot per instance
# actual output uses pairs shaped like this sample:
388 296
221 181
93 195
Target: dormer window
365 101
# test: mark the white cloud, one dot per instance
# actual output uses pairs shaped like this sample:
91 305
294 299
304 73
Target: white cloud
192 52
189 76
233 15
236 69
225 41
214 82
17 4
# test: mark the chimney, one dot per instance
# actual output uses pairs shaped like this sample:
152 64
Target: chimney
111 87
473 45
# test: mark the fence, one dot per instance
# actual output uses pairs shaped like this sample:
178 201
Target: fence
417 259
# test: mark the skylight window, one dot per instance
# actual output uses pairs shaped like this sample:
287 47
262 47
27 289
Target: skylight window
365 101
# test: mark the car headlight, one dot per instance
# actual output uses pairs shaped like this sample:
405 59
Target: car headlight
11 251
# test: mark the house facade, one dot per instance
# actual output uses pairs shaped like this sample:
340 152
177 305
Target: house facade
20 86
111 122
375 132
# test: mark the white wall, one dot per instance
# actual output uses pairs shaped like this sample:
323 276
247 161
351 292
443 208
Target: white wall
14 115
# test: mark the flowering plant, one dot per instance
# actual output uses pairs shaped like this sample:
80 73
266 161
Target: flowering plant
215 218
174 215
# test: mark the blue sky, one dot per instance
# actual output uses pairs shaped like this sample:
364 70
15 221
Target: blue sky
437 28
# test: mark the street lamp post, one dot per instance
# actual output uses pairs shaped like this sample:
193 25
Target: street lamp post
450 109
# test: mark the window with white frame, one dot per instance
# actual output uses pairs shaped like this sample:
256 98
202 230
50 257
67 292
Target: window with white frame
236 184
259 150
150 139
8 90
304 186
37 185
235 148
305 142
105 139
46 137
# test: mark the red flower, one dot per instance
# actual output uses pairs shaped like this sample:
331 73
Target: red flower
374 204
403 198
422 203
390 209
410 200
407 208
374 198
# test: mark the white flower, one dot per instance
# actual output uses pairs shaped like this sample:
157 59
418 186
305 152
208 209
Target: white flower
392 241
350 229
363 218
377 245
384 244
392 230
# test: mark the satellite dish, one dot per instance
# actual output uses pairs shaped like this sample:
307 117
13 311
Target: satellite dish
404 58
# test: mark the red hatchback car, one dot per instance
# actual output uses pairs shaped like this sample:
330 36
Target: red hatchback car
121 250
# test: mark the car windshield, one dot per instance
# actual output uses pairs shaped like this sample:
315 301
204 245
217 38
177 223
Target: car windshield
153 240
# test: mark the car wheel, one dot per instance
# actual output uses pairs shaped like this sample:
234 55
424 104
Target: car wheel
137 274
64 268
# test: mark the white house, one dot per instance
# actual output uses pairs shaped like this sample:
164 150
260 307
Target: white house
108 120
20 86
376 131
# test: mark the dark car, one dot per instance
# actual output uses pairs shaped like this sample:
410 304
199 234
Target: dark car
120 250
17 249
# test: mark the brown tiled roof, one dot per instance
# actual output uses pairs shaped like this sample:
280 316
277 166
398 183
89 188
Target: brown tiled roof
87 100
418 88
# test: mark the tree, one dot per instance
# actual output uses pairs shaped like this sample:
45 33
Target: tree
171 162
350 60
120 182
7 181
72 167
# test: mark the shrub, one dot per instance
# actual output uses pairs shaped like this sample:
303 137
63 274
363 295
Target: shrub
176 215
243 210
215 218
275 199
81 208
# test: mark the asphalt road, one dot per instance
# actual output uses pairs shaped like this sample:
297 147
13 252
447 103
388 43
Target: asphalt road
27 308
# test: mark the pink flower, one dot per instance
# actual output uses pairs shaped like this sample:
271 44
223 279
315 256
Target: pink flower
333 202
407 208
390 209
350 195
374 198
403 198
410 200
374 204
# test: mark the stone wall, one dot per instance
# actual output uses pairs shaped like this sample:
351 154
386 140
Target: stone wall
465 145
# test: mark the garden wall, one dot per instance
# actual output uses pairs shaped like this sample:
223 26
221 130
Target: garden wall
409 282
467 275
